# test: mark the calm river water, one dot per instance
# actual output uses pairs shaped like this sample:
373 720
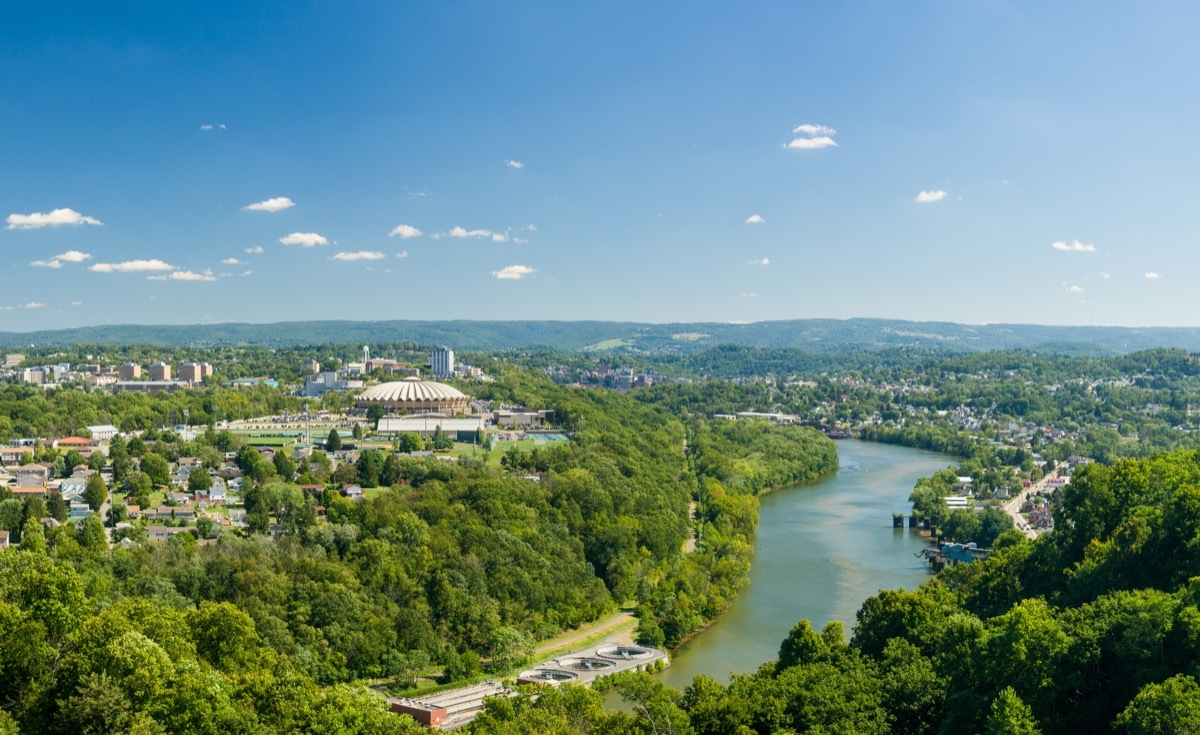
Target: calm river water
821 550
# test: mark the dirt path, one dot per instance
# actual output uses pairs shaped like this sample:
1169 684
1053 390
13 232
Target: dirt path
599 627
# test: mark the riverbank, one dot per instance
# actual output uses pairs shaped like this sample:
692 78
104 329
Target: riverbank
818 554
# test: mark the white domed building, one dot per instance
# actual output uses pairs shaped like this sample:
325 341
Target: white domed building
414 395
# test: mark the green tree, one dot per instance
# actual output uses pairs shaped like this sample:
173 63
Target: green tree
33 536
1010 716
199 480
155 467
285 466
95 492
1165 708
410 441
334 442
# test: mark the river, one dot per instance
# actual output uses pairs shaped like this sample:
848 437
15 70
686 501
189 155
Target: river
822 549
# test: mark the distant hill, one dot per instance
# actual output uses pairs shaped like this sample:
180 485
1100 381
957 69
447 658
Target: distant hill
816 335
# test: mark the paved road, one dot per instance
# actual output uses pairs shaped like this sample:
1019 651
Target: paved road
1013 507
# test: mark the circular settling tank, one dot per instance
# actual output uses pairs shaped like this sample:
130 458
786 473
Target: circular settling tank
586 664
551 675
625 653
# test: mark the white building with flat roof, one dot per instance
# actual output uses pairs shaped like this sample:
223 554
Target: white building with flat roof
441 361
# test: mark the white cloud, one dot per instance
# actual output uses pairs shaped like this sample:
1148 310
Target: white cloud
1104 275
255 250
760 261
927 197
498 237
531 228
1075 289
1152 276
54 218
359 255
748 295
231 261
275 204
460 232
514 272
71 256
823 141
755 219
192 276
243 274
304 239
206 127
405 232
34 305
402 254
1074 246
76 303
810 129
133 266
513 164
209 126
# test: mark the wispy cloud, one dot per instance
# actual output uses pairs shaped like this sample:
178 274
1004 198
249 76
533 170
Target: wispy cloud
814 136
927 197
76 303
1104 275
405 232
231 261
1075 289
513 164
1074 246
243 274
402 254
52 263
810 129
209 126
463 232
275 204
759 261
255 249
359 255
206 276
514 272
755 219
34 305
133 266
1152 276
748 295
53 218
303 239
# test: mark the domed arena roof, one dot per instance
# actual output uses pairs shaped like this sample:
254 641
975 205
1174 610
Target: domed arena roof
411 390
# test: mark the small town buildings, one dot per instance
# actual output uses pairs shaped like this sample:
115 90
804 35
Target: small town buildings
29 475
103 432
162 533
3 539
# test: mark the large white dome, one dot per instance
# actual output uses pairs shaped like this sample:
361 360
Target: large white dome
415 394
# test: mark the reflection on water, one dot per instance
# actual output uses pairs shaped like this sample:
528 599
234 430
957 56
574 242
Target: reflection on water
821 550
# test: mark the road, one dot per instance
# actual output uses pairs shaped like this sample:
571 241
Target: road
1013 507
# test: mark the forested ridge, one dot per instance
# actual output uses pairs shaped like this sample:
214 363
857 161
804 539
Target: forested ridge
456 568
1094 628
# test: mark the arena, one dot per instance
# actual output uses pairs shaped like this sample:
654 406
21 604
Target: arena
413 395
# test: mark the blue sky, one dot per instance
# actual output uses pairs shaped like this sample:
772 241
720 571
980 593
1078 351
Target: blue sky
599 161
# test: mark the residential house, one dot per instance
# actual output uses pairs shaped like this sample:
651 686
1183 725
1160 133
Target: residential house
103 432
3 539
20 493
29 475
354 492
72 487
162 533
12 455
